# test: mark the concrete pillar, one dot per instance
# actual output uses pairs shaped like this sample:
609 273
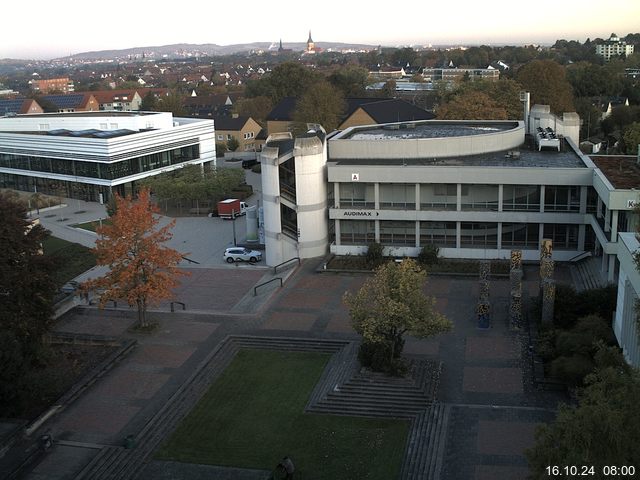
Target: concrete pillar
500 196
336 194
458 241
376 196
614 225
377 230
337 231
459 197
599 208
583 200
417 196
612 269
499 234
607 220
542 194
417 233
582 233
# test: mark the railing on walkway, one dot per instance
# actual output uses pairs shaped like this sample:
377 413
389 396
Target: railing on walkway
184 307
255 289
275 269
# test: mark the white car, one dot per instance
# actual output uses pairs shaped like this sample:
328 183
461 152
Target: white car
236 254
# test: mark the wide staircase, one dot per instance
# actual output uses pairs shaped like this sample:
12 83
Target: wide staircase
586 274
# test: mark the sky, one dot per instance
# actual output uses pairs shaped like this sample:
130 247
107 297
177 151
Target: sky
54 29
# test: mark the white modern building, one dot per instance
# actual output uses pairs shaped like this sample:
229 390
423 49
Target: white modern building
613 47
89 155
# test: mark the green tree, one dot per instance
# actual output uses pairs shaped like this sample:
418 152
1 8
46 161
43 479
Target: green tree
602 430
391 304
471 105
26 285
323 103
631 138
149 103
548 84
256 107
174 103
142 270
232 144
289 79
26 298
352 80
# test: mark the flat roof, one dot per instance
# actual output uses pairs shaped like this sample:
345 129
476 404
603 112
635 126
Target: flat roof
99 113
527 156
622 171
431 129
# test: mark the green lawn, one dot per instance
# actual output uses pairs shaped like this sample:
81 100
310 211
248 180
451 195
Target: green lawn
253 416
91 226
71 259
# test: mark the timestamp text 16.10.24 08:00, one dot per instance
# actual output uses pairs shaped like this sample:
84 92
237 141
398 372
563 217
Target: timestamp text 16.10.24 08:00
589 470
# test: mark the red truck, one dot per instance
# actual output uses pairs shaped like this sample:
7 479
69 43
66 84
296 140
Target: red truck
231 208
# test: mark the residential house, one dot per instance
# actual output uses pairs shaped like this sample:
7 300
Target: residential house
613 47
45 86
243 129
73 102
118 100
19 106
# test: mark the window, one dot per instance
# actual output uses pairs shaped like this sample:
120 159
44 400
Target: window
478 235
521 198
564 237
398 196
357 232
220 137
480 197
438 196
229 136
561 198
520 235
440 234
357 194
398 233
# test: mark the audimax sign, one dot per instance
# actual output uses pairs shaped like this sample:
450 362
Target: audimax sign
359 213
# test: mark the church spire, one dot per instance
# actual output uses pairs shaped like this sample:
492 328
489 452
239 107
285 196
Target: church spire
310 40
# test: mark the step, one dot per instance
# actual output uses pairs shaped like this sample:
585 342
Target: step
374 390
362 412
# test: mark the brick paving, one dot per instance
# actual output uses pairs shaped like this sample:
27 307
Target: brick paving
482 382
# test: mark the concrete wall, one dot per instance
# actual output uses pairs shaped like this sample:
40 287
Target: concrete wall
343 147
625 325
568 125
71 121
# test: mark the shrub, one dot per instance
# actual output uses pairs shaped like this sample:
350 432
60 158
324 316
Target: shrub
377 357
428 255
572 369
374 257
571 305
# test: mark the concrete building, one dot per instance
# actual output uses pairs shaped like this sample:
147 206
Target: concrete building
613 47
89 155
459 74
50 85
625 324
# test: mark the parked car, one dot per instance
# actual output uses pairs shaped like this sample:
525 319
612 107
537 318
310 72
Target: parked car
237 254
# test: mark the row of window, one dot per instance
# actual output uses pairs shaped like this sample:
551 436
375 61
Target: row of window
473 197
106 171
472 234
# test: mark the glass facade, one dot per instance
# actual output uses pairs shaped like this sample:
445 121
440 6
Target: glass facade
520 235
438 196
399 196
480 197
357 195
561 198
101 170
565 237
521 198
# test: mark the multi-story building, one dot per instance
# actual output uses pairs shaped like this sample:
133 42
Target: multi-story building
613 47
89 155
459 74
475 189
51 85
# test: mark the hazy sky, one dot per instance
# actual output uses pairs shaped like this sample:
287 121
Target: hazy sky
46 29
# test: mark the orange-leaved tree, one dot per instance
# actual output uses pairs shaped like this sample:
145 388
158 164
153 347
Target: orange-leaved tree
142 270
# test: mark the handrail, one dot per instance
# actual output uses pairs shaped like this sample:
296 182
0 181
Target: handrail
580 256
189 260
255 289
285 262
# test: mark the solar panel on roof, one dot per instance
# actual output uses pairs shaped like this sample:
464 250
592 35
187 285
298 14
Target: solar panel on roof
10 106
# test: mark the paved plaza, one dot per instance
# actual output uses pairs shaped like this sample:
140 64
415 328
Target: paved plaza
485 385
494 408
